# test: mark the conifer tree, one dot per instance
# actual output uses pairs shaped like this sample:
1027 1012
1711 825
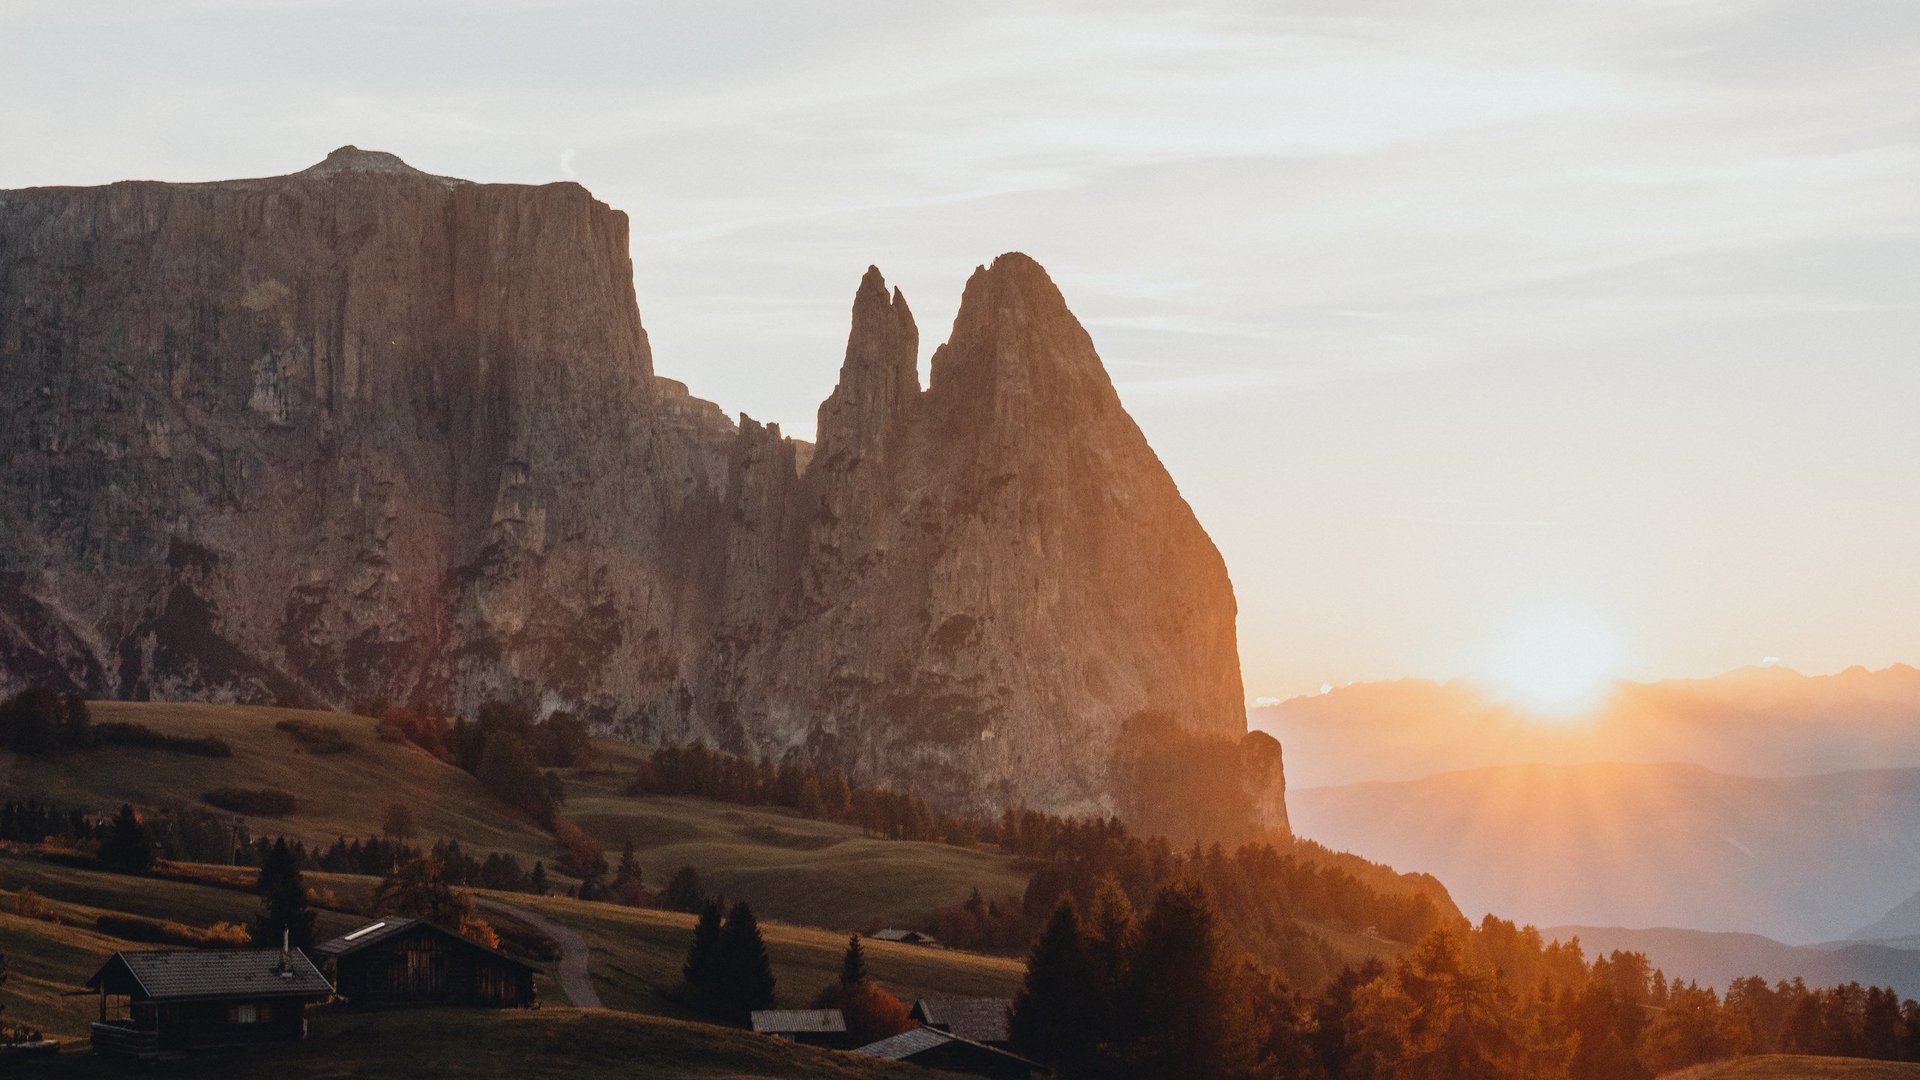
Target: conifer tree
128 846
538 879
283 901
702 969
746 974
853 965
1052 1014
1182 1016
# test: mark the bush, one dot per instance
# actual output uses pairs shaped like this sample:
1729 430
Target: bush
265 802
31 905
315 738
166 932
140 735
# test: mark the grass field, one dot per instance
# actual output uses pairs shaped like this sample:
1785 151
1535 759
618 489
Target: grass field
637 954
793 869
1789 1067
461 1043
339 794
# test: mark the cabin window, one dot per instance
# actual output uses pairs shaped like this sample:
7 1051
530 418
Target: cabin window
244 1014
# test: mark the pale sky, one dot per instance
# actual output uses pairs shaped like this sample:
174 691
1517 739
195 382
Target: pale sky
1440 314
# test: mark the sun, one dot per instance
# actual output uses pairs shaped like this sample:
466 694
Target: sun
1558 662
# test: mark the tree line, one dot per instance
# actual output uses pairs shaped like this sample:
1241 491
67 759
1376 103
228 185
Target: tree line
1115 995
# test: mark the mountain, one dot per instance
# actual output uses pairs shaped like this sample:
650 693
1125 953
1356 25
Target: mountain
1758 721
363 433
1900 926
1716 960
1800 859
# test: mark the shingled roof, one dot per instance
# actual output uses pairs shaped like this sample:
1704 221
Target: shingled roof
798 1021
982 1019
370 934
190 974
909 1045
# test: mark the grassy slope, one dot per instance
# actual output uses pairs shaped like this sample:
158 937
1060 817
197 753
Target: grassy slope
811 872
1786 1067
637 955
339 794
548 1043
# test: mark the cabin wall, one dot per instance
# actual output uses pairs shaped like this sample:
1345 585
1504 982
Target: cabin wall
209 1024
427 968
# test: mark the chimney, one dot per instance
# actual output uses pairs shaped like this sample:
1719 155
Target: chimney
286 954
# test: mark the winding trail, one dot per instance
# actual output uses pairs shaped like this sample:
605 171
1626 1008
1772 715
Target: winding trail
575 979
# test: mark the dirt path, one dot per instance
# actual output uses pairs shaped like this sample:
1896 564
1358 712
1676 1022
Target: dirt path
575 981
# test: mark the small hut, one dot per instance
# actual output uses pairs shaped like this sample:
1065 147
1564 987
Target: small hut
165 1004
404 961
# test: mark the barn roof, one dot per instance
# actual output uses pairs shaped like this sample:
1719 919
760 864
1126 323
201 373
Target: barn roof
190 974
371 934
909 1045
911 937
982 1019
798 1021
392 926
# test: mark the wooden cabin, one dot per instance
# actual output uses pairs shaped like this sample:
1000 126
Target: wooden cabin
165 1004
932 1048
982 1019
403 961
809 1027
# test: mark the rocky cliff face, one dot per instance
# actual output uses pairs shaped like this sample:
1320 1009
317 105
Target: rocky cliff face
361 433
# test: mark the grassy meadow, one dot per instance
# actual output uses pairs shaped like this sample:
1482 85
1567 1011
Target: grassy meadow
792 869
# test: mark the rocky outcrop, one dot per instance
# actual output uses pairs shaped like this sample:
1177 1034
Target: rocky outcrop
361 432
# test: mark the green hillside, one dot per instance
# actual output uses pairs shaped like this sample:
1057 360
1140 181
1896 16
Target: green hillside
1793 1067
339 794
637 954
791 868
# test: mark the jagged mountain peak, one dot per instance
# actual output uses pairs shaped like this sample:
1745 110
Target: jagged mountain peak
879 377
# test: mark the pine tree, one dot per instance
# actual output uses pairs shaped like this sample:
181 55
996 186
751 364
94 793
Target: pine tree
853 966
684 892
1182 1016
746 974
128 845
539 878
283 901
1052 1014
702 969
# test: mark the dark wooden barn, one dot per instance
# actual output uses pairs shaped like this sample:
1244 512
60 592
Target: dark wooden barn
402 961
166 1004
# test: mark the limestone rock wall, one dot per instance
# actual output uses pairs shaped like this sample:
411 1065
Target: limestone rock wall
361 433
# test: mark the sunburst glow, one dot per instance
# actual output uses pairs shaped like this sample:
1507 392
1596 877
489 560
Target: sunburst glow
1558 662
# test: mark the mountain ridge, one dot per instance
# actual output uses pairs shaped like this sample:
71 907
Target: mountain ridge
359 432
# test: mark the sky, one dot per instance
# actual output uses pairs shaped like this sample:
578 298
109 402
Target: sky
1463 327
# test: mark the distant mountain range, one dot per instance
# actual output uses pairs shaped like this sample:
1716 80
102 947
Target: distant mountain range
1801 859
1758 721
1718 959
